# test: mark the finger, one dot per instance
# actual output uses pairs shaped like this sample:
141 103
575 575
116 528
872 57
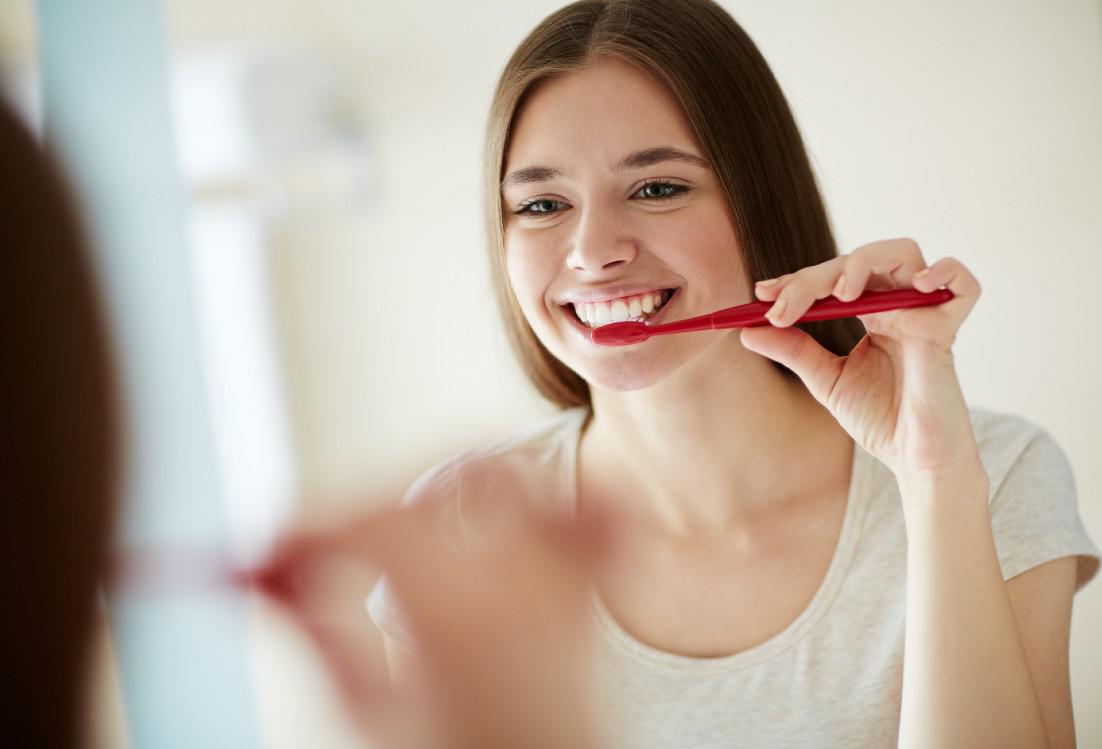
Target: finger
309 544
768 289
880 265
802 290
880 282
884 264
950 273
431 580
818 368
892 263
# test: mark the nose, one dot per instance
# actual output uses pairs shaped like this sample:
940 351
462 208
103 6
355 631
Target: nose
599 245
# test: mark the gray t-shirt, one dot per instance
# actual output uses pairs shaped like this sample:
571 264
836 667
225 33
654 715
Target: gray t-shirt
834 676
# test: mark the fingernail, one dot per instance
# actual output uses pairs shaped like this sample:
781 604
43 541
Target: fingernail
768 282
839 287
923 272
778 309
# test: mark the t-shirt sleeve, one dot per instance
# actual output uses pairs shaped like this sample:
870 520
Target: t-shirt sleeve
1034 512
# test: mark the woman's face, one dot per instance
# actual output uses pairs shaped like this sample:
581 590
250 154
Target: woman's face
609 203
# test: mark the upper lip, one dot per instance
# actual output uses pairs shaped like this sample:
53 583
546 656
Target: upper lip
608 293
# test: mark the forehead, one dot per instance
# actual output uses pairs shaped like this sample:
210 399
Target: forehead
594 116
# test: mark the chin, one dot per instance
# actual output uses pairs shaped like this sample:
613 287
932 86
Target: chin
620 370
647 364
624 377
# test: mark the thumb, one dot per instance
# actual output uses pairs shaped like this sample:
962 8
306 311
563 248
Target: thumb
818 368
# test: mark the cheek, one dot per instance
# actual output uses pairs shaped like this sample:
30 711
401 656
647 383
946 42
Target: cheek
710 252
530 274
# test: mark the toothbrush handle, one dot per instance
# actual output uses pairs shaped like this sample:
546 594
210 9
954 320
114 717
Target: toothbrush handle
753 314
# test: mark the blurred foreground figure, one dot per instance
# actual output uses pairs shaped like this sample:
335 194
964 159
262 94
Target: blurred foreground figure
502 642
500 627
58 449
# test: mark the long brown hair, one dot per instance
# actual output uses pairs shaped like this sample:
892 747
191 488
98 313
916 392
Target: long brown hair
738 114
59 448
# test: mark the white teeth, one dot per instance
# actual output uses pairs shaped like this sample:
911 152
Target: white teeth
603 314
619 311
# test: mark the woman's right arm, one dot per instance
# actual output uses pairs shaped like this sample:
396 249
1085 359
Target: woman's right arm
500 633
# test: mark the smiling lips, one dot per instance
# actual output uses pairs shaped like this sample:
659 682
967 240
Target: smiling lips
638 307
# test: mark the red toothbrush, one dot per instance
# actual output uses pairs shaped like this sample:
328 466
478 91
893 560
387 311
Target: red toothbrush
753 315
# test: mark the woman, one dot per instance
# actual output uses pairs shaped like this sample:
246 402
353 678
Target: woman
788 500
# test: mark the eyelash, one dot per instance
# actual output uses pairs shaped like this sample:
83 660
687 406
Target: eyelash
522 210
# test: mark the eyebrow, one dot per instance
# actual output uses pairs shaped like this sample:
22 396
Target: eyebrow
637 160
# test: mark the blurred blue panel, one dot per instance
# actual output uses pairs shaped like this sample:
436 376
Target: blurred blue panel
183 656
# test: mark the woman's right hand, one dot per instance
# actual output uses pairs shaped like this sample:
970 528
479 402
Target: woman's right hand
501 631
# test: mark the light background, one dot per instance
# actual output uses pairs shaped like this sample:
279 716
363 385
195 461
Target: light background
975 128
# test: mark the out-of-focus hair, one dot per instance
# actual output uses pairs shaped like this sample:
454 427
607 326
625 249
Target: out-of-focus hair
59 449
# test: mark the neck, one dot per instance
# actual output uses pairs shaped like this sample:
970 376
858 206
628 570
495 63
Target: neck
725 438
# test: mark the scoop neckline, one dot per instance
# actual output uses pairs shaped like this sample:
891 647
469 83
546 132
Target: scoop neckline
796 630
